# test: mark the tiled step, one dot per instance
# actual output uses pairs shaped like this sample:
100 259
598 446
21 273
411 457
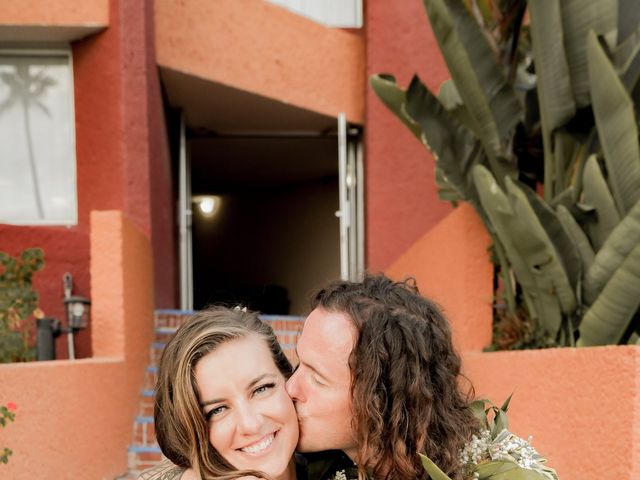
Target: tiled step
144 451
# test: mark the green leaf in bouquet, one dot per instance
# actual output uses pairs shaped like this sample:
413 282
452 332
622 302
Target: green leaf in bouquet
519 473
478 409
489 470
500 423
505 404
432 469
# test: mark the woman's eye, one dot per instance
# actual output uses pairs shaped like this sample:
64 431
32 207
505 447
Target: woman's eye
263 388
214 412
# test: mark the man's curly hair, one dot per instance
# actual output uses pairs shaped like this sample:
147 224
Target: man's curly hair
405 379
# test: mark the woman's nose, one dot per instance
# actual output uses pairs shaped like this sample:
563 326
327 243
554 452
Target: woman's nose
249 420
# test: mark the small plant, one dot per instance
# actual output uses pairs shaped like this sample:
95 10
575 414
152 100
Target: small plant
6 416
18 304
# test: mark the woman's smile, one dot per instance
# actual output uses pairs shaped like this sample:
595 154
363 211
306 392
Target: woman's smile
259 447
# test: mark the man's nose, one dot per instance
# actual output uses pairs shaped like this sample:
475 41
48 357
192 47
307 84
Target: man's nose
293 386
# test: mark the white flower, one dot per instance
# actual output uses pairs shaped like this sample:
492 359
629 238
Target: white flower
340 475
506 447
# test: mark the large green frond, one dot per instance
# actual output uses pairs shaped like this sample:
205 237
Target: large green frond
578 17
617 128
610 315
394 98
596 194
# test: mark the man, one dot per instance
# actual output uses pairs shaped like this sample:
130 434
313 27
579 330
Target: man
378 379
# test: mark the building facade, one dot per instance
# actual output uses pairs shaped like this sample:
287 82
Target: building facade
175 153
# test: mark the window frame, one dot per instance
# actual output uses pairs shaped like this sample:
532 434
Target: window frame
55 50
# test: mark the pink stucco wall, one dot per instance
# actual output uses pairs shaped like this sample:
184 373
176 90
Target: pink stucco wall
259 47
401 197
149 194
74 418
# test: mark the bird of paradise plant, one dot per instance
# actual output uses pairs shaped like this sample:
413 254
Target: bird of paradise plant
538 130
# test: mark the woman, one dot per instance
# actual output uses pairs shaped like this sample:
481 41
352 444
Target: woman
221 409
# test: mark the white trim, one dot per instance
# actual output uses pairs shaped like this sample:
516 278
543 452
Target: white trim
323 11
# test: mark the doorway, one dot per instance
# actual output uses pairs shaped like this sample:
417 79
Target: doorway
273 236
269 203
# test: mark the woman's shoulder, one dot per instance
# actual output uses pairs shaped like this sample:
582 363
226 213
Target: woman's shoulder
166 470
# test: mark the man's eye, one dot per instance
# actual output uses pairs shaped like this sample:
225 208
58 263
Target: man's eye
317 380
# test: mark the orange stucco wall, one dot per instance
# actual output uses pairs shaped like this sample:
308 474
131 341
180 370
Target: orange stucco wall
451 265
55 12
248 45
74 418
582 406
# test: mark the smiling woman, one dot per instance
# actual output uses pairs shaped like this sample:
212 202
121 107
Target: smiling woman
221 409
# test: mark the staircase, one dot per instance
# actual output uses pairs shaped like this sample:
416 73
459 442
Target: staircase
144 451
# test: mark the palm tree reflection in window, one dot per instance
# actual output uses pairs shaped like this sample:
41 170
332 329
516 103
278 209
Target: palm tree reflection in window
27 90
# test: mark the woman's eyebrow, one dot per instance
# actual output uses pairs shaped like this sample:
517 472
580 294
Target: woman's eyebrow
211 402
259 378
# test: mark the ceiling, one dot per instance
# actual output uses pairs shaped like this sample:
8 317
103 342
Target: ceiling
239 140
224 165
212 106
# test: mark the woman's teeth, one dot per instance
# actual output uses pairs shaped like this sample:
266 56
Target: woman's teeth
258 447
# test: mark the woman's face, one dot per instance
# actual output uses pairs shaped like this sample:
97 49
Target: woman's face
252 421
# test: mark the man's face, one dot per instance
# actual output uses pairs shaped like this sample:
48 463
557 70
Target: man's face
321 385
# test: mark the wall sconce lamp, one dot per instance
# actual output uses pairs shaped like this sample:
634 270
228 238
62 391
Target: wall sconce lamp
77 311
207 204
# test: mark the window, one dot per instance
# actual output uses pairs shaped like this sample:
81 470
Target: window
332 13
37 138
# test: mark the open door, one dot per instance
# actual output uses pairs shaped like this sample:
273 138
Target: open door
185 220
351 192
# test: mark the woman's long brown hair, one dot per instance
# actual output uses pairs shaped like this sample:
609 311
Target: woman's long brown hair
181 429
